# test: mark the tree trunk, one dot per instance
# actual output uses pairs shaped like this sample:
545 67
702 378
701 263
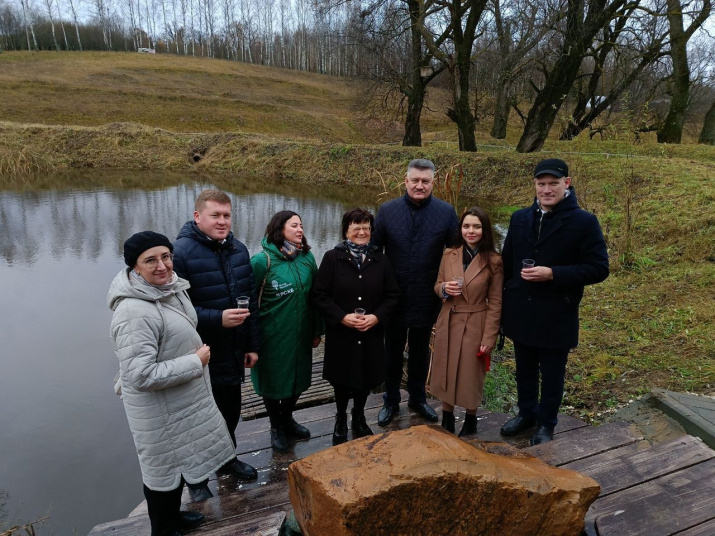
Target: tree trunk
559 81
415 100
416 91
462 114
707 135
672 129
501 111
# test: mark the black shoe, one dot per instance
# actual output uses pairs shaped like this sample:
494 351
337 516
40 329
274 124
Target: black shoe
200 494
542 434
516 425
189 519
470 425
279 441
424 410
293 430
240 470
340 432
448 421
359 425
387 413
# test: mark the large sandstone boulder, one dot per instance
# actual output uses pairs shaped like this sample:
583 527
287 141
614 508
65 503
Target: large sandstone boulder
426 481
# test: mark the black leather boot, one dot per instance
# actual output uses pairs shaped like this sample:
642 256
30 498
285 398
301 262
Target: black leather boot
448 421
279 441
470 425
340 432
359 425
293 430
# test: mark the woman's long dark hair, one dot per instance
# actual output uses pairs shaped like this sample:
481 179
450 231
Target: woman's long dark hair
274 230
486 243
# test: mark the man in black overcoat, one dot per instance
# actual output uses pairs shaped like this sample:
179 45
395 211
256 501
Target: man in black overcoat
552 250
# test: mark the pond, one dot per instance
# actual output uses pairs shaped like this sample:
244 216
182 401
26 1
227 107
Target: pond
67 451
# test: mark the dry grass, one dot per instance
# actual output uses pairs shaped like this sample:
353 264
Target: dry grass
648 325
177 93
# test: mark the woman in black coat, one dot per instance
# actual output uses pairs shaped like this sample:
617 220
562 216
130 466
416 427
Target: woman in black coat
357 294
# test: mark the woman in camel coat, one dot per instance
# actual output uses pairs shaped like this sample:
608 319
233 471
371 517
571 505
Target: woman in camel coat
470 283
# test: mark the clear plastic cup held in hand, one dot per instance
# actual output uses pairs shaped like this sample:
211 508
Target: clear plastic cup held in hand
528 263
459 281
242 302
360 312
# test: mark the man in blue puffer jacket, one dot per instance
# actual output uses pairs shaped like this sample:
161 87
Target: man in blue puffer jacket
218 267
414 230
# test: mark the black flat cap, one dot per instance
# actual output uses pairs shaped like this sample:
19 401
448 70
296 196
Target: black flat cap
552 166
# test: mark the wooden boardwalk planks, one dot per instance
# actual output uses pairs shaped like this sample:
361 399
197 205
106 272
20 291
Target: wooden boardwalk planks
319 392
660 507
616 473
663 490
584 442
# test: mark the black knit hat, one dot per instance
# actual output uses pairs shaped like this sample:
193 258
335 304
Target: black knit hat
138 243
552 166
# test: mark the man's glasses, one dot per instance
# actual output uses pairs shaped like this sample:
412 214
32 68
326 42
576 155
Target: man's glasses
153 262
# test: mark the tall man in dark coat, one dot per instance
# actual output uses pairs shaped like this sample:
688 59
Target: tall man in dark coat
540 303
414 230
219 270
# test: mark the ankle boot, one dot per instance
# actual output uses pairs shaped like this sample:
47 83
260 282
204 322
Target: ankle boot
293 430
359 425
470 425
340 432
279 441
448 421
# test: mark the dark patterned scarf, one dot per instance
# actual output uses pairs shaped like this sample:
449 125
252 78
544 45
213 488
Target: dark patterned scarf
290 249
358 252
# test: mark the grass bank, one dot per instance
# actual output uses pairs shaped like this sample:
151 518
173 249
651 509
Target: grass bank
649 325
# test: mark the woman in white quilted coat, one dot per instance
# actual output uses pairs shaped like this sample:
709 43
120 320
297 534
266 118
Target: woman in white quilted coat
178 431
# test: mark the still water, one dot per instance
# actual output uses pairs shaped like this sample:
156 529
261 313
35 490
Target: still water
65 447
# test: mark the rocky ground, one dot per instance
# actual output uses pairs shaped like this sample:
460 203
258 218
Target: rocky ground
655 426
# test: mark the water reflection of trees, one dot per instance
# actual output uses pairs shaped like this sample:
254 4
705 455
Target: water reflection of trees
86 224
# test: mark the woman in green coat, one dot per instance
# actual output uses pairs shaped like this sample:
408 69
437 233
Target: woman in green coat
289 328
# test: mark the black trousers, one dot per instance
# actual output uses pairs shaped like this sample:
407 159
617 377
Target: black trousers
417 362
164 507
280 409
228 400
343 394
550 364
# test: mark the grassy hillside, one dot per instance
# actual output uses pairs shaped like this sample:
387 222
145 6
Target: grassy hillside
182 94
649 325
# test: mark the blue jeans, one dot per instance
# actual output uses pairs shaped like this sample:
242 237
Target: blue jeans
551 364
417 363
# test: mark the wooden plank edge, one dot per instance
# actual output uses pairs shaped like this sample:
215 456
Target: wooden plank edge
693 423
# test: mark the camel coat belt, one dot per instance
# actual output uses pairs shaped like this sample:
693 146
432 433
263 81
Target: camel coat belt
465 323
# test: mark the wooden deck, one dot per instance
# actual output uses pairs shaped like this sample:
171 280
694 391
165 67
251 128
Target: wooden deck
659 490
320 392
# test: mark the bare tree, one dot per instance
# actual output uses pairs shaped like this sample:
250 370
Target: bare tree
582 22
520 25
707 134
48 7
671 131
630 43
73 7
